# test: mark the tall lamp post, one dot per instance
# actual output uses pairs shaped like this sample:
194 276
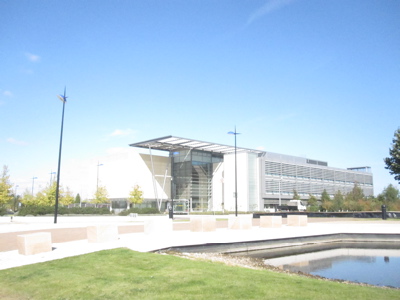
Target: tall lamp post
63 98
235 134
33 183
51 177
97 186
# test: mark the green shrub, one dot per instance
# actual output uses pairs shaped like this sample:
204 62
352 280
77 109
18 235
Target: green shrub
226 212
3 211
35 210
141 211
89 211
47 210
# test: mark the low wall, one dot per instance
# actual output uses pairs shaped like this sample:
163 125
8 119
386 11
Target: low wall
356 214
370 240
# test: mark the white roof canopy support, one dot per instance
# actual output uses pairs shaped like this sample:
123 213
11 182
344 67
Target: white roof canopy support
172 143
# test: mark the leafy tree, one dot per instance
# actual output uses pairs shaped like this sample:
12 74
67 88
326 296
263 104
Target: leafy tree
296 195
354 198
390 196
338 201
27 198
5 187
67 198
101 195
16 202
313 203
326 201
47 196
393 162
135 196
78 198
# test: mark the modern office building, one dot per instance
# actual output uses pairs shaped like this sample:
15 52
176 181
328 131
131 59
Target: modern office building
208 174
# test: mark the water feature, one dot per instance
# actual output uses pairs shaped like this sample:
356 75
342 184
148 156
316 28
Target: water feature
358 262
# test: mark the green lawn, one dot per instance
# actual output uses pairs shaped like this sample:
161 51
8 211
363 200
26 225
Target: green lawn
125 274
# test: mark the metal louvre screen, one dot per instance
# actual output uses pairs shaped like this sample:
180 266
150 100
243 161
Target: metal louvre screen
312 179
288 170
272 168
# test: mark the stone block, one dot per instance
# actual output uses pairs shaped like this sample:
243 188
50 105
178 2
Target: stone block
203 224
240 222
296 220
102 233
158 226
34 243
270 221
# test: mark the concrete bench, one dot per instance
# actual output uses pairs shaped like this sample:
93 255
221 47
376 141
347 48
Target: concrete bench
240 222
296 220
102 233
203 224
34 243
270 221
158 225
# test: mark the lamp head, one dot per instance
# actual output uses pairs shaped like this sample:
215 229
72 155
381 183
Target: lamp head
62 98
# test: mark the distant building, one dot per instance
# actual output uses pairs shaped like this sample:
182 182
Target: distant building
203 173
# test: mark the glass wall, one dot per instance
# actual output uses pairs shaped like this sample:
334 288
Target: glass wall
192 172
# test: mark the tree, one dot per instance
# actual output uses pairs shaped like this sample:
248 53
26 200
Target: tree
326 201
338 200
27 198
313 203
393 162
101 195
296 195
135 196
354 198
67 198
47 196
78 198
390 196
5 187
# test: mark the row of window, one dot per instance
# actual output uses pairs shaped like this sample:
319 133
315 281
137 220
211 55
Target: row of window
313 173
287 188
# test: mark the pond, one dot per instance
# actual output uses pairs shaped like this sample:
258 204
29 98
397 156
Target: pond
358 262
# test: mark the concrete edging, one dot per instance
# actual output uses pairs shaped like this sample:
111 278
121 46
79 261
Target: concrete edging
287 243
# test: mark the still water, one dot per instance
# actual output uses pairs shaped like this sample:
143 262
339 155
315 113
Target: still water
379 267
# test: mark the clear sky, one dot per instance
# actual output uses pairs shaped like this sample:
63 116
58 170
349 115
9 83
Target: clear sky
312 78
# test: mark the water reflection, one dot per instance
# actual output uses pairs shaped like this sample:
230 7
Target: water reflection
368 263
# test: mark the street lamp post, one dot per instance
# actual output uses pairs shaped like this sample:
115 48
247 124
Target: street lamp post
235 134
63 98
280 201
51 177
97 186
33 183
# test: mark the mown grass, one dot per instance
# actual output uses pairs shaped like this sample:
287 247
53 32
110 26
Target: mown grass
125 274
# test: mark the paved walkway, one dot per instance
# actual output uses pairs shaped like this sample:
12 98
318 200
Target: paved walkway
69 234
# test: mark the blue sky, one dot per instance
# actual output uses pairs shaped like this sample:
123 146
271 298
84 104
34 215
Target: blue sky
309 78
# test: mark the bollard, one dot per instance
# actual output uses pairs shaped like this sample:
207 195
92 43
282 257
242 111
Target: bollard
384 216
171 213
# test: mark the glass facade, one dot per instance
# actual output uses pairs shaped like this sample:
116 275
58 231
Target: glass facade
192 173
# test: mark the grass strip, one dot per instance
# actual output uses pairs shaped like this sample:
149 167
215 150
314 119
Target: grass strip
126 274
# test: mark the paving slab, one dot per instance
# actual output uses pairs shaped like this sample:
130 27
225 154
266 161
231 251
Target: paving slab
139 241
